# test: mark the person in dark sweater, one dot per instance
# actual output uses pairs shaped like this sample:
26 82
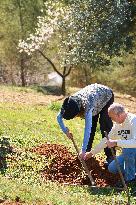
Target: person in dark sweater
91 103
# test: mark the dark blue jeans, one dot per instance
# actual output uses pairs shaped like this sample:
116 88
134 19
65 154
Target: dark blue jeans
105 125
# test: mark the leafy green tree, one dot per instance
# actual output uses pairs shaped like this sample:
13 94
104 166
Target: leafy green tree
101 29
17 19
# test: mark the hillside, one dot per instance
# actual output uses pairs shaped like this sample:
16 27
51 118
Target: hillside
34 98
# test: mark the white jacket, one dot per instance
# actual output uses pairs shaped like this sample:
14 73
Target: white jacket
124 133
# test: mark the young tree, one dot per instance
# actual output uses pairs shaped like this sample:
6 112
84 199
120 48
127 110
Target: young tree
49 27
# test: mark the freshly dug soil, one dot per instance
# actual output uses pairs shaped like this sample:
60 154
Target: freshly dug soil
64 167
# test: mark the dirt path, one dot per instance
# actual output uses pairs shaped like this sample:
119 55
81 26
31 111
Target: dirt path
40 99
27 98
127 100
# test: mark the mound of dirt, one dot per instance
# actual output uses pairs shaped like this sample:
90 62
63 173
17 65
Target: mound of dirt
64 167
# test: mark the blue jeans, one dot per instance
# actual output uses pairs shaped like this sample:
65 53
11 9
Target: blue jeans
127 163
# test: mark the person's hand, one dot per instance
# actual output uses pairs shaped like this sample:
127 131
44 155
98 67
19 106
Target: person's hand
88 155
81 155
69 134
111 143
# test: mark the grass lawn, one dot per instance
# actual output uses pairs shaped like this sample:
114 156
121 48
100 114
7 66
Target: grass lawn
25 126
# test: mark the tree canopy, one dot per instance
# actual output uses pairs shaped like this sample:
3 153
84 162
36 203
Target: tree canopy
89 31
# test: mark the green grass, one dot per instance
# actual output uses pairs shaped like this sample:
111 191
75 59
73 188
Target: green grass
24 127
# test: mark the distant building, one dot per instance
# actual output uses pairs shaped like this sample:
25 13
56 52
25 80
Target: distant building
54 79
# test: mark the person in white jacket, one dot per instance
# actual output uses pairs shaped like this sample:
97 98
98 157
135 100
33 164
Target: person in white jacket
123 134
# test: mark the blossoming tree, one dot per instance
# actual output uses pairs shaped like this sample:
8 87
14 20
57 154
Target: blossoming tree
87 32
54 25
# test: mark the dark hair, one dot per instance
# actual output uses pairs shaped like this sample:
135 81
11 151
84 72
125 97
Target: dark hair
69 108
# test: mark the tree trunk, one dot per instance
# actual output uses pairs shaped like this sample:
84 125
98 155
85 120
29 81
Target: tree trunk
50 62
86 76
66 72
63 87
22 60
22 65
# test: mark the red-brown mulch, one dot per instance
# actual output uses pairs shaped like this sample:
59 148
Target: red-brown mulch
64 167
